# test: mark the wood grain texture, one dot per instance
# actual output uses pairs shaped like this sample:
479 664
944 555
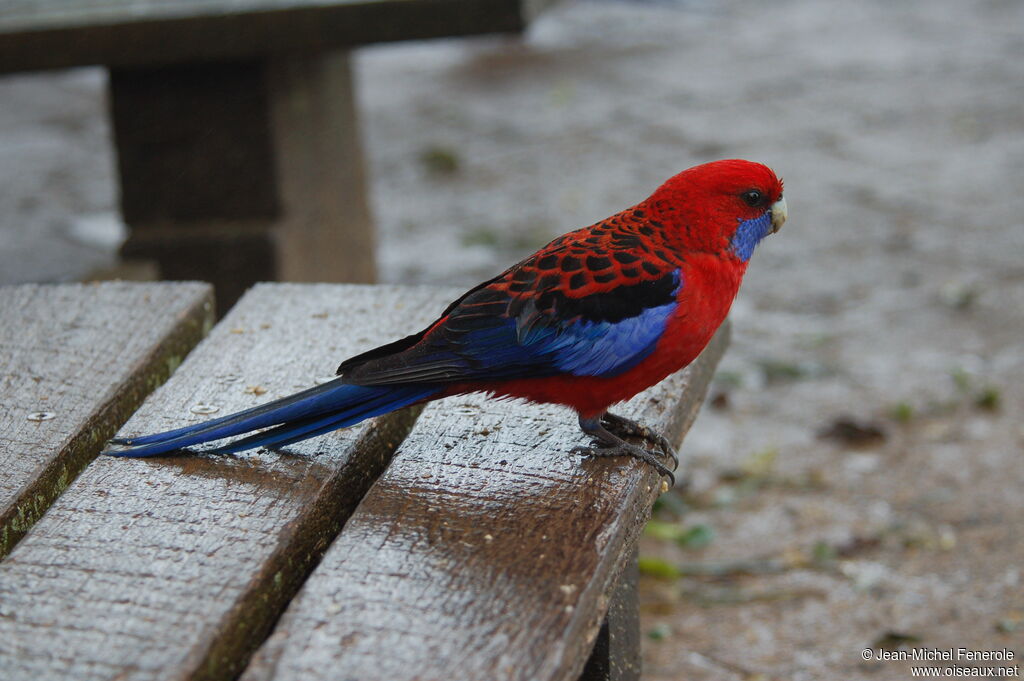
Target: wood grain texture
40 34
87 354
176 567
485 551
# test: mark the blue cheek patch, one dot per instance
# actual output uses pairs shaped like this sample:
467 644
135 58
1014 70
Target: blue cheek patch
749 233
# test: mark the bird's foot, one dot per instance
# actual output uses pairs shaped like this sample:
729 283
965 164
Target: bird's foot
620 448
623 427
609 443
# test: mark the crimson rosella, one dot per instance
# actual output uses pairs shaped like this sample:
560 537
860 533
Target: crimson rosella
588 321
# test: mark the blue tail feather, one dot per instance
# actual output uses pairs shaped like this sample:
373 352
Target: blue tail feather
309 402
303 429
297 417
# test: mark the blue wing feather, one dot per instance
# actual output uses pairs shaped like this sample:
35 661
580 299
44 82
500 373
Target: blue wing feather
610 348
481 340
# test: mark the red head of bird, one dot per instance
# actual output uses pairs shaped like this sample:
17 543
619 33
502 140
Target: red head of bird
724 207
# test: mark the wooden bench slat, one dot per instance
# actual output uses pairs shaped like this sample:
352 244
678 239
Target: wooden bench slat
485 551
176 567
88 354
56 34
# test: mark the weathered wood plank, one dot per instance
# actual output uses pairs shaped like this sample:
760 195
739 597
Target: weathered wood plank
82 357
38 34
175 568
485 551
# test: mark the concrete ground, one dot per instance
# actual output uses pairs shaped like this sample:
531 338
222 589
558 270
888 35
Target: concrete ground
857 481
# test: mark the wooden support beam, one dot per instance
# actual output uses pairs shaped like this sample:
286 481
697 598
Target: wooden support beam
326 230
245 171
616 653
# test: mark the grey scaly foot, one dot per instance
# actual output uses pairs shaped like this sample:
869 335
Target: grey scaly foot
626 449
624 427
607 444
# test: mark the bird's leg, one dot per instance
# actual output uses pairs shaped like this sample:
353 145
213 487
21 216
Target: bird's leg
607 444
624 427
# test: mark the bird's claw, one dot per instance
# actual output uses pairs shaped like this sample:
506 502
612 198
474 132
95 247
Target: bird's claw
597 448
623 427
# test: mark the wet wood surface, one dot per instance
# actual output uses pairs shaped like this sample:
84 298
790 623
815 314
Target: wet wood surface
42 34
77 360
485 551
176 567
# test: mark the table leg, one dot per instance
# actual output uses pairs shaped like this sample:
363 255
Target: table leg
616 654
242 172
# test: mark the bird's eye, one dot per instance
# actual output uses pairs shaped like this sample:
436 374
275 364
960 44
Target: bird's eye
753 198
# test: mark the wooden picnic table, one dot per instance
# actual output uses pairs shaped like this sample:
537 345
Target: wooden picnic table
235 123
457 541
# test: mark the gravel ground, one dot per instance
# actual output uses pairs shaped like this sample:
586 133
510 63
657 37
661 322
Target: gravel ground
857 481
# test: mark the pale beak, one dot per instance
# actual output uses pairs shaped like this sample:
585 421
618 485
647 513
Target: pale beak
779 214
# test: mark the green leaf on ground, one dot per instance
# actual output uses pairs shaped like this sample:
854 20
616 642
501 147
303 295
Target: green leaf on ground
657 567
693 537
